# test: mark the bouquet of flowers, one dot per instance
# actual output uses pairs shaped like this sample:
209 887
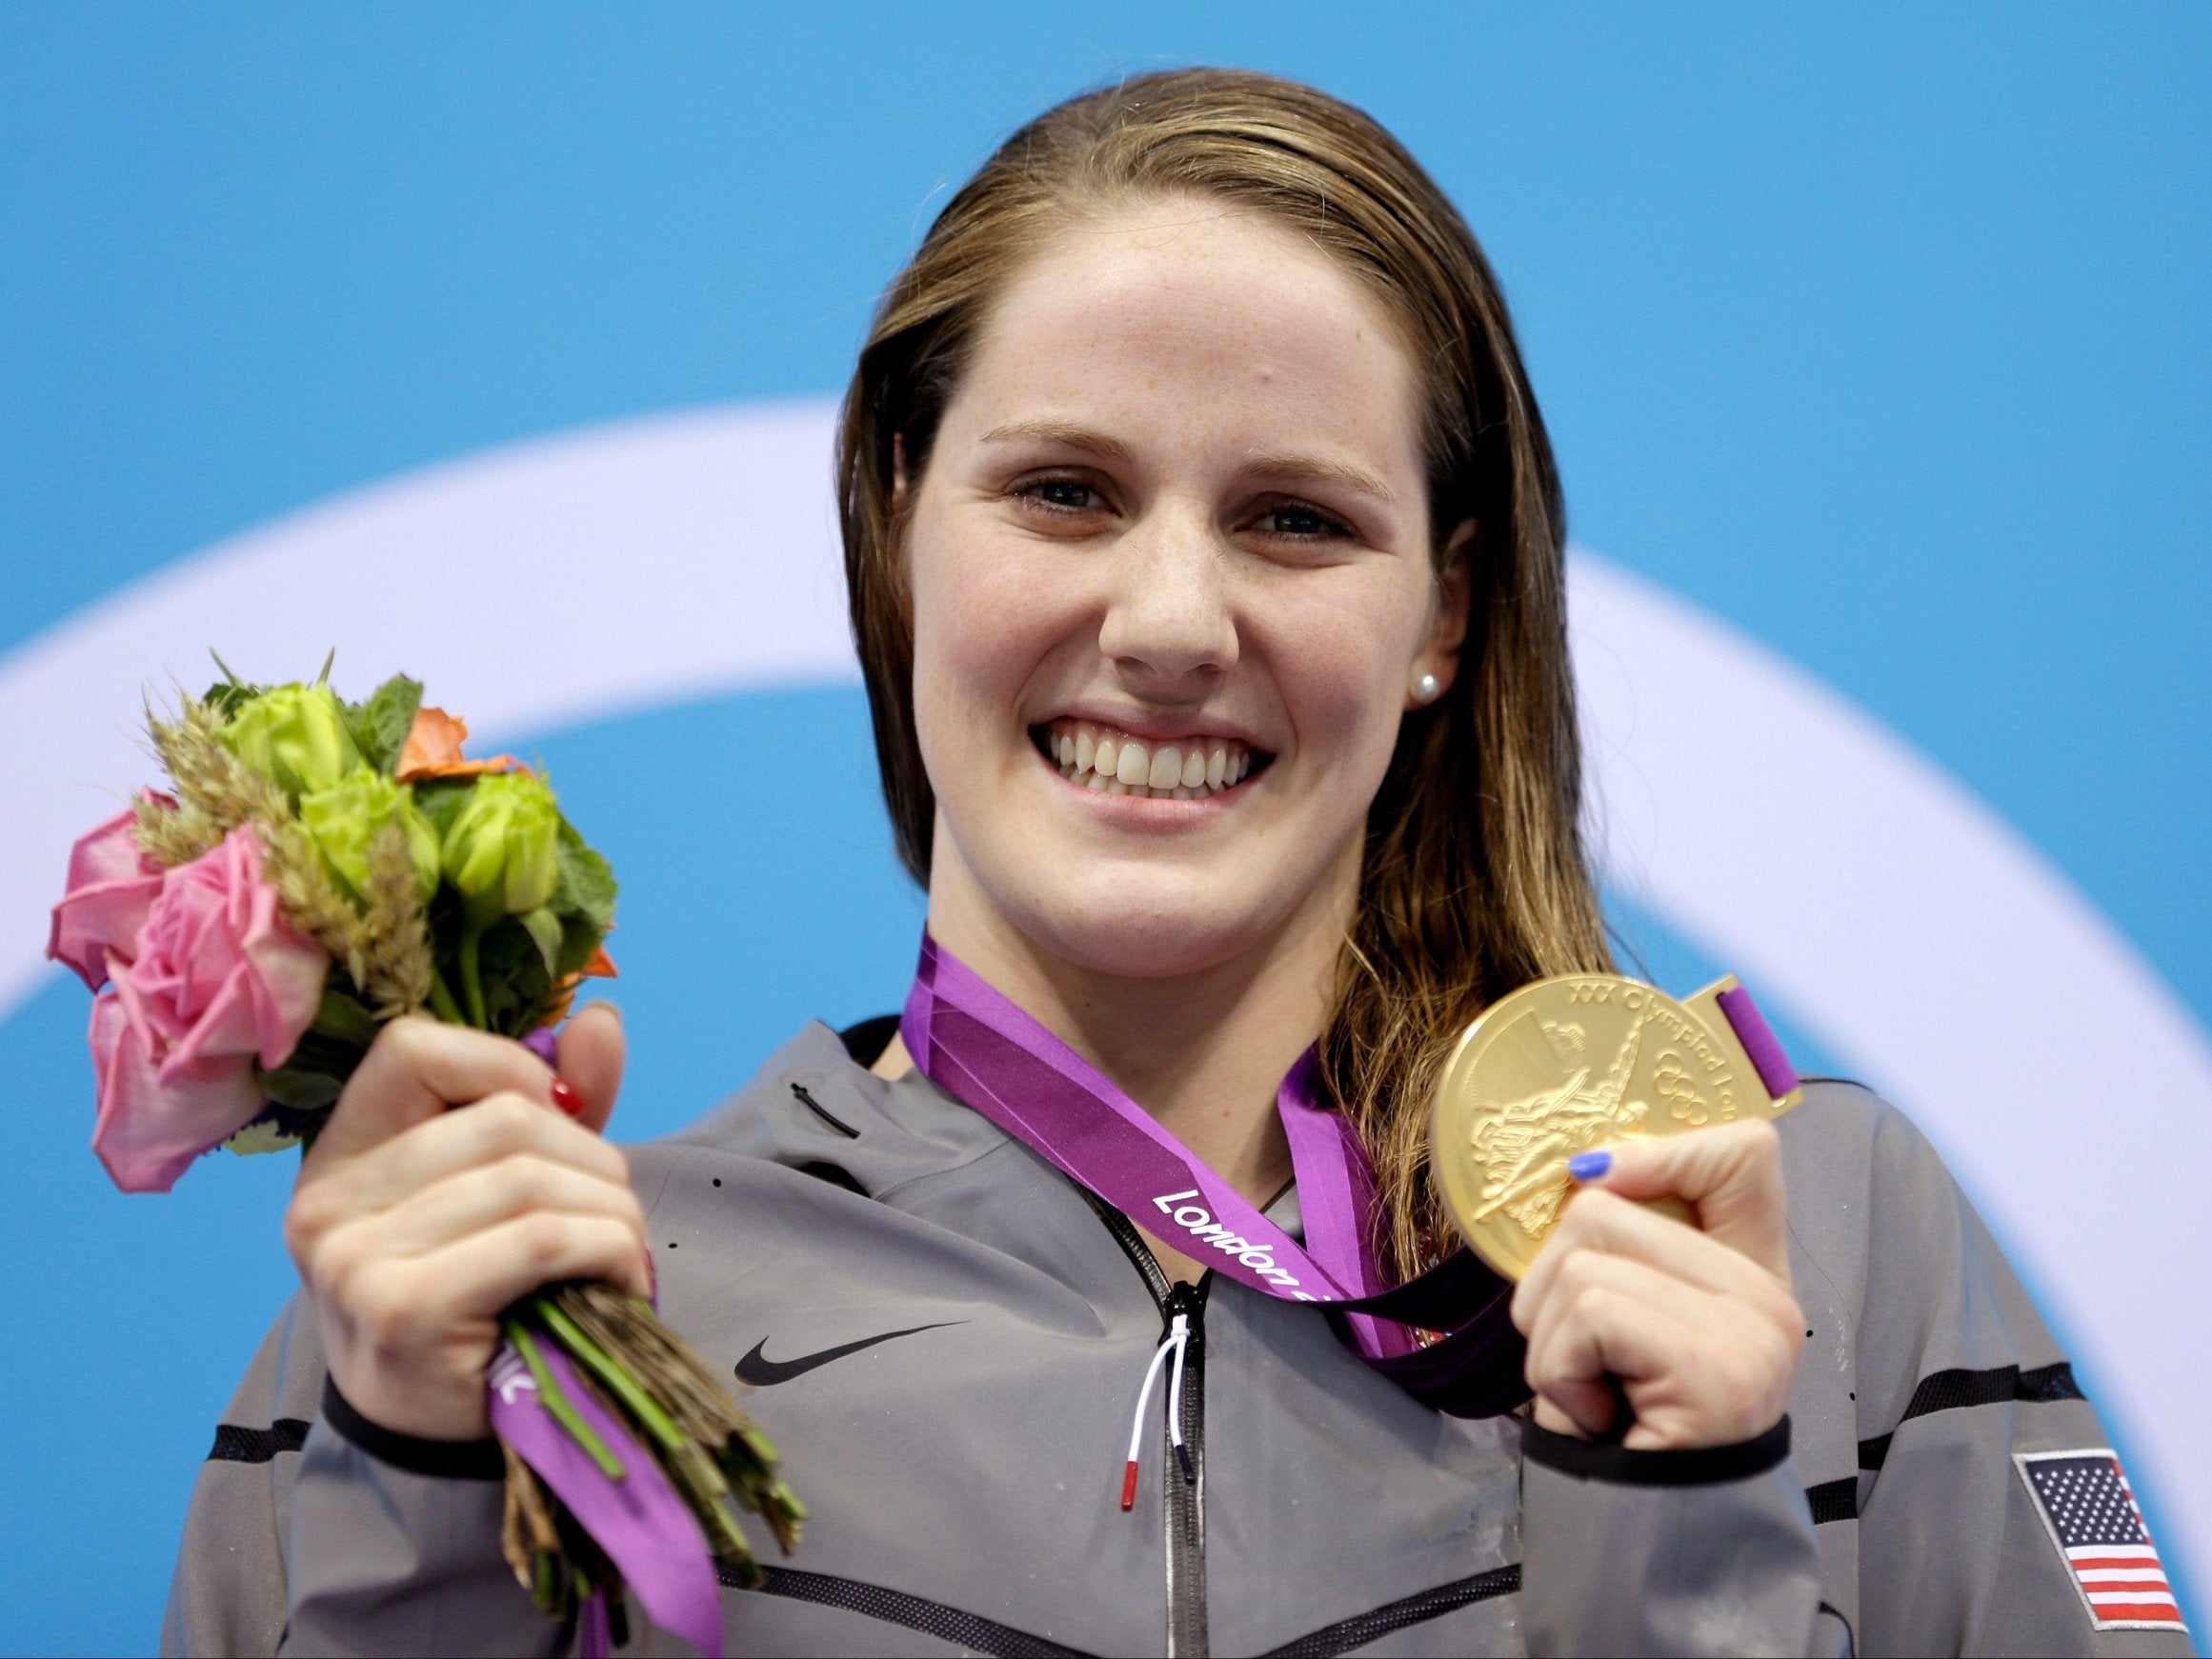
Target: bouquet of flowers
318 869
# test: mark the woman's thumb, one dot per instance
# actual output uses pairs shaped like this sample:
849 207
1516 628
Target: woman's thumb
1729 1176
591 1050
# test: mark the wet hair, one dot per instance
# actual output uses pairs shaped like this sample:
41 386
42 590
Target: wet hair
1473 879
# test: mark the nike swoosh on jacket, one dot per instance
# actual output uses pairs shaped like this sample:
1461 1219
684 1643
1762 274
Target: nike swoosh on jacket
763 1373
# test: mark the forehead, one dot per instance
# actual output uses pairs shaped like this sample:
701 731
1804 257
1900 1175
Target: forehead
1214 320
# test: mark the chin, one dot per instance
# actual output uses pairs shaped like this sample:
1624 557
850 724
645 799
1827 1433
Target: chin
1130 932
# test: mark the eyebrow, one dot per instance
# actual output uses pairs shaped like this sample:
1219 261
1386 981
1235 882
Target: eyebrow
1292 467
1285 467
1071 433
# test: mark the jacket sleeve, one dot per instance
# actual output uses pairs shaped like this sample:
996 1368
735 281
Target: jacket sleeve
1961 1388
227 1595
1707 1551
312 1532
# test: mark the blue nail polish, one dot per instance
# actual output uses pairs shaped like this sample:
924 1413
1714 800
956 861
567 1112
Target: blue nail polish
1589 1166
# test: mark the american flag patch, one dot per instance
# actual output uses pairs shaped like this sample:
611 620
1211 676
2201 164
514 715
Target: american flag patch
2089 1510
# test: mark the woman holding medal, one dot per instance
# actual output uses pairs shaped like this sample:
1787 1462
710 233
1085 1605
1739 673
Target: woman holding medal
1205 556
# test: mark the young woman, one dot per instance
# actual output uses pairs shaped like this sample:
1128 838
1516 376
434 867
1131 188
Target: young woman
1204 548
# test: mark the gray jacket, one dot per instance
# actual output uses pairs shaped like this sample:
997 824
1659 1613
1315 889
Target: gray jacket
948 1339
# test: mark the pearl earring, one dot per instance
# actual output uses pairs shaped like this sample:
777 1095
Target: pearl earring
1426 690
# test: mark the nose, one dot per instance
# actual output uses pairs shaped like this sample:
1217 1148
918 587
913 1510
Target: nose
1170 629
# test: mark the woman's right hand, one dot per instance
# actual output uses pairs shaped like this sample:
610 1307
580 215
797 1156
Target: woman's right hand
414 1226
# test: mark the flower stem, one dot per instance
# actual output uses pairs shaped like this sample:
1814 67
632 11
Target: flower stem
442 1002
609 1370
472 982
556 1403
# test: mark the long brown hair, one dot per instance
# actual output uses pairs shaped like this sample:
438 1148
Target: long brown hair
1473 880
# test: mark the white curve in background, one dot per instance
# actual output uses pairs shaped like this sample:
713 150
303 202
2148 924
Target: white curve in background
663 560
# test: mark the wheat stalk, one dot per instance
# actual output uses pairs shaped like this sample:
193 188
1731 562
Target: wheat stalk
385 946
397 949
215 793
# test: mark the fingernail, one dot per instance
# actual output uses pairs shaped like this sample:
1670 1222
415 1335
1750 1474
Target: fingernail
566 1097
1589 1166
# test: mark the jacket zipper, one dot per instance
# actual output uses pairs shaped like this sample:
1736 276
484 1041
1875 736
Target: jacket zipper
1185 1488
1185 1485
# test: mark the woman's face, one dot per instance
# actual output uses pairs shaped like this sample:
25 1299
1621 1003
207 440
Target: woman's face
1170 562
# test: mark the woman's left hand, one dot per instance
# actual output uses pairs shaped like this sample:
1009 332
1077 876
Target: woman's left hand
1697 1323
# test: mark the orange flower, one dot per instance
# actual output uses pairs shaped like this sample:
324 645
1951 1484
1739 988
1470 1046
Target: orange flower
433 749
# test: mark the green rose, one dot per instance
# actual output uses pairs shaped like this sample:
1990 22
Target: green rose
294 736
343 820
501 849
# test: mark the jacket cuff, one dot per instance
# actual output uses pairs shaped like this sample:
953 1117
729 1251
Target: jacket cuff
1704 1466
445 1459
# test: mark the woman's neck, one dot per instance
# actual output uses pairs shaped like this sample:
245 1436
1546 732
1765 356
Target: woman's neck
1203 1052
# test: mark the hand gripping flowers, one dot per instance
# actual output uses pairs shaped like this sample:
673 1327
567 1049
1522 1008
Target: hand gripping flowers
323 867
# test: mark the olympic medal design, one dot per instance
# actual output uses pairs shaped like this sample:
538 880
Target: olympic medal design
1564 1065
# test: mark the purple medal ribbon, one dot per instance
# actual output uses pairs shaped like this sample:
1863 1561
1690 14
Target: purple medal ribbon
979 1047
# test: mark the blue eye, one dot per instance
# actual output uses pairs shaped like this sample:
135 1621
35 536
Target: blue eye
1069 494
1304 523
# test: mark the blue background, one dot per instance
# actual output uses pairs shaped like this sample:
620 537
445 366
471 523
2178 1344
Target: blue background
1883 335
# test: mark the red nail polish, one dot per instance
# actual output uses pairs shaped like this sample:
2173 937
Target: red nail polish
566 1097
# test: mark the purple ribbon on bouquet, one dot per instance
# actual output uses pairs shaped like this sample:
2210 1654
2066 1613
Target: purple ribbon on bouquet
970 1040
638 1520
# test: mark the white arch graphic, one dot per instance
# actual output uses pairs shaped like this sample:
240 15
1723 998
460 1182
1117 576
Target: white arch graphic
1886 909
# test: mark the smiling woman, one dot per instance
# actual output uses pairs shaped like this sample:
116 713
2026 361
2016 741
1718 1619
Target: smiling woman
1205 557
1258 380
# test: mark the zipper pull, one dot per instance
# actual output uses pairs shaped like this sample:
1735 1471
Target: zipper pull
1174 1341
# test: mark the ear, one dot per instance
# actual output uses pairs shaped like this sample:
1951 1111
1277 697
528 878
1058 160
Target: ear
1439 655
898 472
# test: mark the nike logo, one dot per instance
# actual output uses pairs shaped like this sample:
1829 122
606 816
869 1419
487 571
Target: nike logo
763 1373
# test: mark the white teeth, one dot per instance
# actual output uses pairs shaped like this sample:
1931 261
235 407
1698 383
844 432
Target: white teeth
1104 759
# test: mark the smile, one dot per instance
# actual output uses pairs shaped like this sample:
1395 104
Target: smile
1100 757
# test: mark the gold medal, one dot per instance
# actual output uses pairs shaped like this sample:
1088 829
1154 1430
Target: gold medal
1564 1065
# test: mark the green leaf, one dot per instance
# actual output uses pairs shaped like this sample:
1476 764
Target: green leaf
441 800
301 1090
381 724
226 698
545 930
586 886
345 1019
580 938
331 1056
261 1135
510 968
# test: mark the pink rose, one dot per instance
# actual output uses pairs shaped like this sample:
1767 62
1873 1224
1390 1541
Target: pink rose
219 981
112 887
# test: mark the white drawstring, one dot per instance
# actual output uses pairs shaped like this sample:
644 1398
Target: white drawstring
1174 1341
